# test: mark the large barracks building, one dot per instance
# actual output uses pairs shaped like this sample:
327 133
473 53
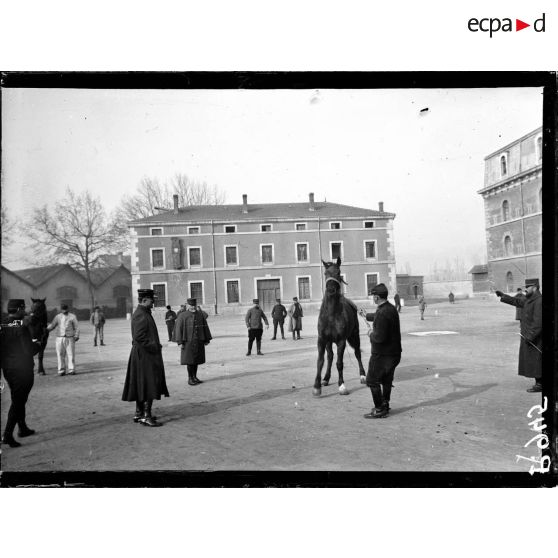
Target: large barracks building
512 196
226 255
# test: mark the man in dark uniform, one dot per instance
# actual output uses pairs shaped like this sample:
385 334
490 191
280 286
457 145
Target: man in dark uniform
518 309
170 320
253 320
145 377
385 337
397 300
18 348
278 314
192 335
530 346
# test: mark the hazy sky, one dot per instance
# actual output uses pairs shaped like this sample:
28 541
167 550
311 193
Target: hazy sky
355 147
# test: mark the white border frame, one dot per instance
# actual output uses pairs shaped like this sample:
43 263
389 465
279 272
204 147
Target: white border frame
307 260
166 292
331 242
190 266
309 277
301 223
202 281
340 225
366 274
256 279
228 265
266 225
225 281
272 254
366 258
151 259
188 227
229 225
156 228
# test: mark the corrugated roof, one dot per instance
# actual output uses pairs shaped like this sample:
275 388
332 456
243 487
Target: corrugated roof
38 275
479 269
263 211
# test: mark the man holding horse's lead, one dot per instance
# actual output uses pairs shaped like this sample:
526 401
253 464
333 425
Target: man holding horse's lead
385 337
67 333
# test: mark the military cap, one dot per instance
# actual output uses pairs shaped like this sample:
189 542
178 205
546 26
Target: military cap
192 301
146 293
256 301
531 283
380 290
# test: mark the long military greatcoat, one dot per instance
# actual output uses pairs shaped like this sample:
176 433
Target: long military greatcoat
192 331
530 359
145 377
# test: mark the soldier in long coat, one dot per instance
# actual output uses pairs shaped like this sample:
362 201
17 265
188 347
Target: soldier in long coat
295 318
145 377
530 347
192 334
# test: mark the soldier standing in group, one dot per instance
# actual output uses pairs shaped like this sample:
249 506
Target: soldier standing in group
253 319
145 377
295 321
385 337
192 335
421 306
170 320
278 314
18 348
98 320
530 346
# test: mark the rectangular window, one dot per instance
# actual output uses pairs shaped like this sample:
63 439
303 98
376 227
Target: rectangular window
302 252
157 258
230 228
265 228
232 292
371 282
370 249
368 224
231 256
267 253
336 251
194 257
193 230
300 226
304 288
160 292
156 231
196 291
335 225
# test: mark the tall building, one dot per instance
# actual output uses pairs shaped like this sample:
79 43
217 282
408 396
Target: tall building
512 196
226 255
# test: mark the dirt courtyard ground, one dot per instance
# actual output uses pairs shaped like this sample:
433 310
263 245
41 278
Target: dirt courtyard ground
457 404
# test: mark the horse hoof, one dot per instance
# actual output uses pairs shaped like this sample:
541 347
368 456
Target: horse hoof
363 379
316 392
324 383
343 390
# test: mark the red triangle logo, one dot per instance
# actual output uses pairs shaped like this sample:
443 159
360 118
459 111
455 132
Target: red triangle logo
519 25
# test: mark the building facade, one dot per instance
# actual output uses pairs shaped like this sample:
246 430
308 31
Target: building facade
512 195
226 255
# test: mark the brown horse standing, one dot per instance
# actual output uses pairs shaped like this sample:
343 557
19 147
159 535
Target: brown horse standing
38 326
337 323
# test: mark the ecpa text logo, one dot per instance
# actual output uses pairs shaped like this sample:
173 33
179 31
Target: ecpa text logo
492 25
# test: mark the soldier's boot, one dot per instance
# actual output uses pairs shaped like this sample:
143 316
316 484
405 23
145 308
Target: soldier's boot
191 378
259 346
139 411
147 419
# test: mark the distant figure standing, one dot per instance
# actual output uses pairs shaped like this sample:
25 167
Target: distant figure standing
278 314
530 346
67 333
397 301
170 319
519 309
451 298
145 376
192 335
295 321
422 306
98 320
253 319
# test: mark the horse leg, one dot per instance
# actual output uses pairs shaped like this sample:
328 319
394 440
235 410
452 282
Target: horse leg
340 352
329 349
355 343
40 356
317 390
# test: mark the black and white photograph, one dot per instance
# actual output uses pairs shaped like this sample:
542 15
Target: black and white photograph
242 280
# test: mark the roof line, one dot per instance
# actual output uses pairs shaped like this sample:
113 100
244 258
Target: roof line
538 128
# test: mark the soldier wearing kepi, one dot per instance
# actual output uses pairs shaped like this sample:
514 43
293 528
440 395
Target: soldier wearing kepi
278 314
385 337
145 377
530 346
253 319
18 348
192 334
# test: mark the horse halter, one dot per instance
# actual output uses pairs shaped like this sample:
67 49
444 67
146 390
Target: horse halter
333 279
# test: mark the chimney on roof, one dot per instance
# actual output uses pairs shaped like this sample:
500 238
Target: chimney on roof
244 203
312 207
381 207
175 199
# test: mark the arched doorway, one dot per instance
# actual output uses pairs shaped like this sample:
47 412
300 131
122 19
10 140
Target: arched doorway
415 291
509 282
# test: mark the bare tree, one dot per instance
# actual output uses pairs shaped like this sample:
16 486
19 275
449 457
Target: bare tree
77 232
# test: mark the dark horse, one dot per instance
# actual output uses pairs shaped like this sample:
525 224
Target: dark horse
337 323
38 326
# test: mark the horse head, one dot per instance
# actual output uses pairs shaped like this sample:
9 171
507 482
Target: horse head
333 272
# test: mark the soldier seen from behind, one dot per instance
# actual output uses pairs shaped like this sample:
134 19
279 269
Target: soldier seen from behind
253 320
